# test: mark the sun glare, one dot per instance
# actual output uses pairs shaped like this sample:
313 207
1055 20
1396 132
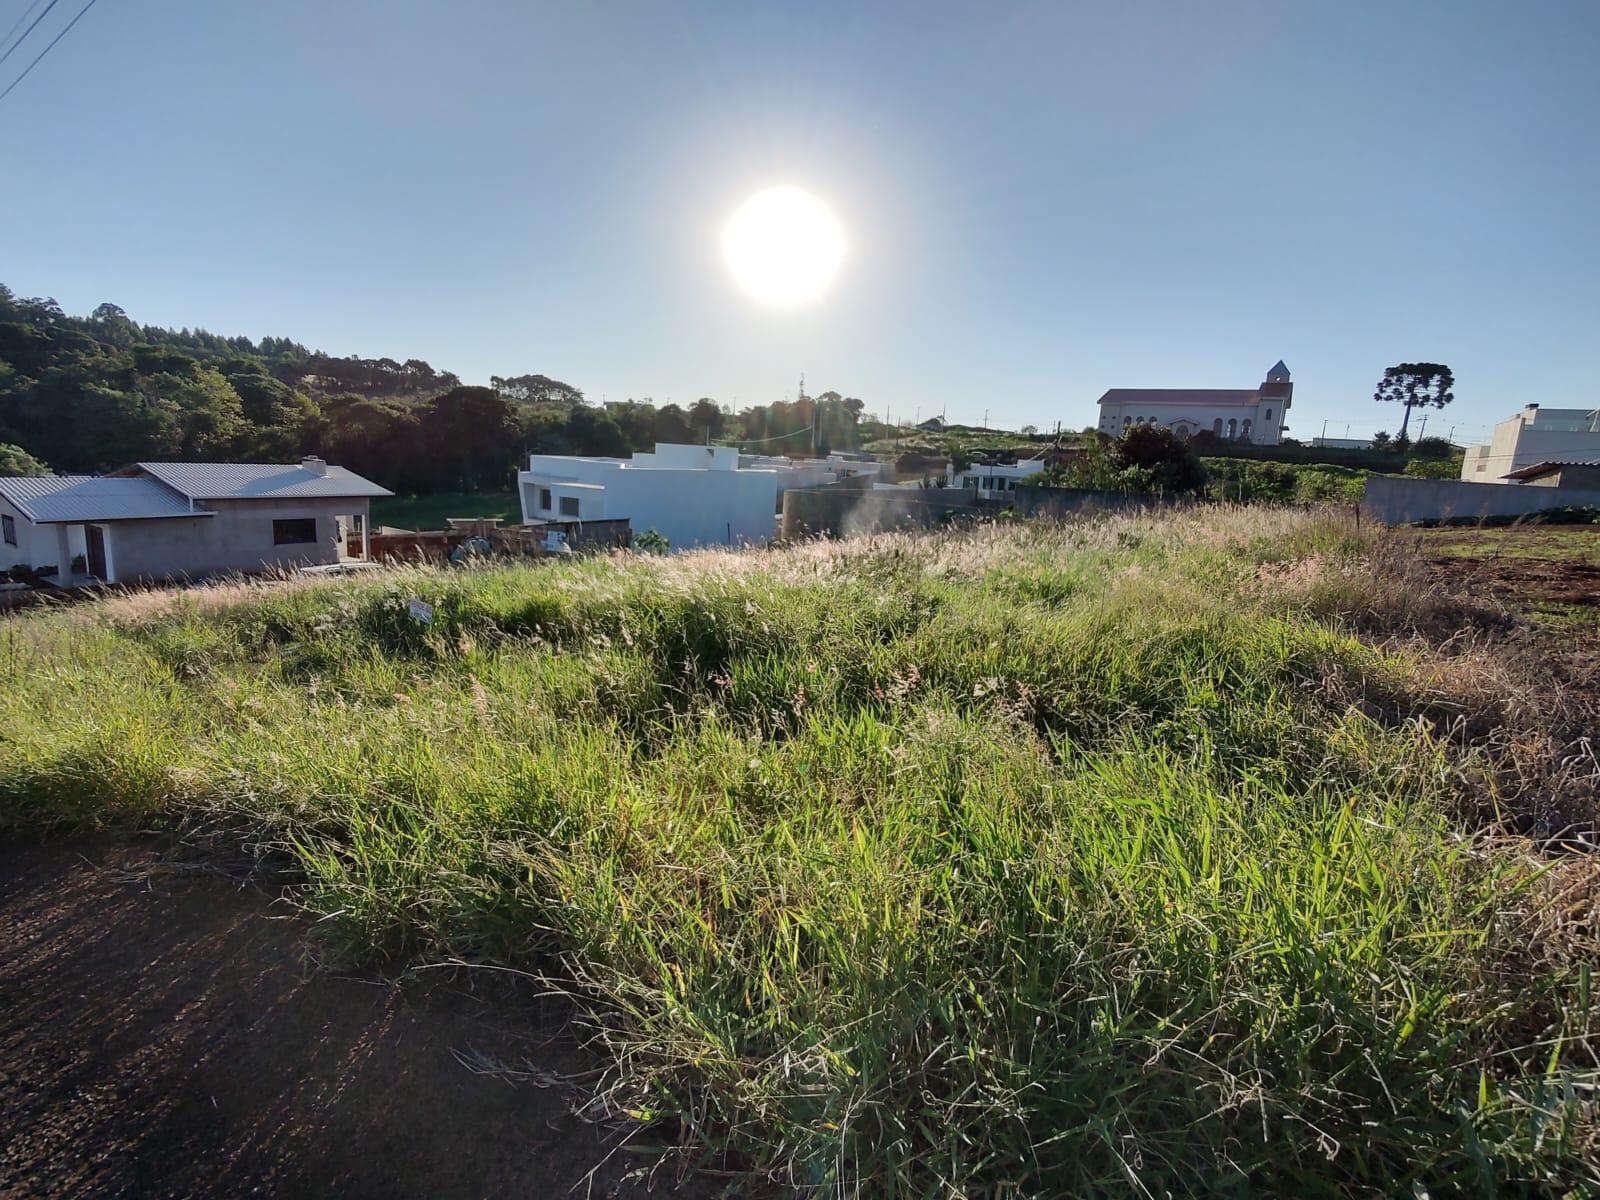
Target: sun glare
784 246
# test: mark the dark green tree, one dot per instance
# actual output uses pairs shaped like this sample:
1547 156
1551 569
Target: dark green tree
1415 385
471 435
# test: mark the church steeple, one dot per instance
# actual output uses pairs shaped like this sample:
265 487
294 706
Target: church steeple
1279 373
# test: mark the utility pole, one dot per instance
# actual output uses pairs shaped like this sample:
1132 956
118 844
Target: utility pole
1324 431
986 420
1423 431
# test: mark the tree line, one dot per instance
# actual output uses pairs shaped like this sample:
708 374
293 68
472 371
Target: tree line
90 394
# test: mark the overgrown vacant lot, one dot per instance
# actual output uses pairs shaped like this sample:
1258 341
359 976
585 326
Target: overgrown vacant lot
1211 852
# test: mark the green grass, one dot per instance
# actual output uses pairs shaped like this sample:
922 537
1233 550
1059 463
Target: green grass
1557 543
431 511
1026 860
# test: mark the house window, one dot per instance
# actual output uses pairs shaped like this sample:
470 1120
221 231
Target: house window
1216 427
544 499
1269 414
294 531
1233 428
569 506
8 525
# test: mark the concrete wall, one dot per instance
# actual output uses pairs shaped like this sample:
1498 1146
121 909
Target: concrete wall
845 508
37 545
1061 503
1575 476
237 538
840 510
1398 501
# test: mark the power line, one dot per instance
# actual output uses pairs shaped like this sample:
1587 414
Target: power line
28 30
17 24
48 48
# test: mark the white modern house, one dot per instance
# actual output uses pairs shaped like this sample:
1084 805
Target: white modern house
692 495
1234 414
993 479
1534 435
158 521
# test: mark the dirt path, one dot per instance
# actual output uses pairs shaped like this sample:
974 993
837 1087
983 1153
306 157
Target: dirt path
161 1035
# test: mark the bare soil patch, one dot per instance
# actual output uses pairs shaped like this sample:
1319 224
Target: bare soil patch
163 1034
1517 574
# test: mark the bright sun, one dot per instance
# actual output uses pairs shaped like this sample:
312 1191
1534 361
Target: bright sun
783 246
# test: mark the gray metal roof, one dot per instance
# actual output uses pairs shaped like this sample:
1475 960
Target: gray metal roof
260 481
47 498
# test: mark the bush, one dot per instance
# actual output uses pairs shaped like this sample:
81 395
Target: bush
1433 468
1244 481
1146 459
1033 860
651 541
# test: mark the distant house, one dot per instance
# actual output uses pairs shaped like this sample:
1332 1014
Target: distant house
692 495
988 480
1574 473
157 521
1336 443
1233 414
1534 435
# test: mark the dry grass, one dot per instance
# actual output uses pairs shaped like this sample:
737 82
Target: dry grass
1200 852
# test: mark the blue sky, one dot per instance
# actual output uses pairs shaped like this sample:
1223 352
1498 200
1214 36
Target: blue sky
1043 200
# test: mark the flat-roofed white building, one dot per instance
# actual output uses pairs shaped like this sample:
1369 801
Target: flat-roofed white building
1532 436
993 479
692 495
1233 414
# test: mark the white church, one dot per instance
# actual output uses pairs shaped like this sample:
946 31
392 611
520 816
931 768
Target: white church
1234 414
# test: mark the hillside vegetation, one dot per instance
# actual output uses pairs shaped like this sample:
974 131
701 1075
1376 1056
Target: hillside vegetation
90 394
1156 855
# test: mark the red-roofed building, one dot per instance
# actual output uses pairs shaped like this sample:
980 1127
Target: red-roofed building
1233 414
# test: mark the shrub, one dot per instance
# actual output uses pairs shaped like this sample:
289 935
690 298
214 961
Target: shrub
651 541
1029 859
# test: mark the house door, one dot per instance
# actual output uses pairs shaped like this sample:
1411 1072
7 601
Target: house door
94 540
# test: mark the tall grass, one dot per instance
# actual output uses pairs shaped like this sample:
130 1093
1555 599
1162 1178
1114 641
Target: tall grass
1119 858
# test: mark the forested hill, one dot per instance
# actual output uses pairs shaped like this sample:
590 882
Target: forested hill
87 394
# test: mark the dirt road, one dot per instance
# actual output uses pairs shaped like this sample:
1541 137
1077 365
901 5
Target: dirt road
162 1035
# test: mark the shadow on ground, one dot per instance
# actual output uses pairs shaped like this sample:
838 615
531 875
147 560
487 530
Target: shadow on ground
162 1035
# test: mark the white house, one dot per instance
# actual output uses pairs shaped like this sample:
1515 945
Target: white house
692 495
1234 414
1532 436
155 521
993 479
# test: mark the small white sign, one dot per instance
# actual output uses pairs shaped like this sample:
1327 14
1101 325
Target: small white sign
421 611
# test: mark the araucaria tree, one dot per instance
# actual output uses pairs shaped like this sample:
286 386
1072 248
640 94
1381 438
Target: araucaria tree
1416 385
